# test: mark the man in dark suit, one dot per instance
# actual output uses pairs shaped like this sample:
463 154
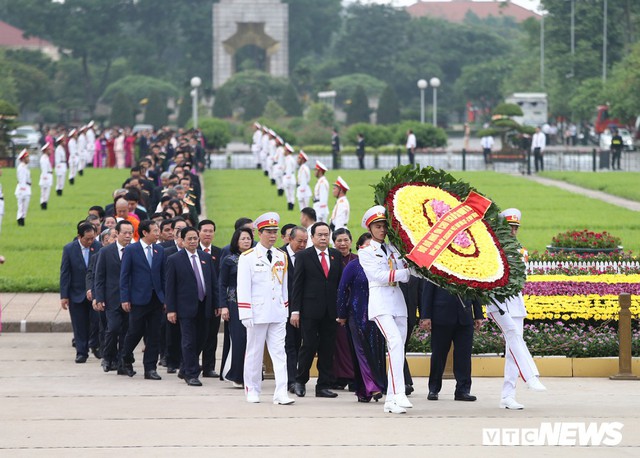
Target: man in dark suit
191 297
451 319
207 230
73 291
142 296
107 295
315 288
293 339
360 150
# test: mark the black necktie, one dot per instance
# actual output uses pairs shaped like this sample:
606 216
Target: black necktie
384 248
269 257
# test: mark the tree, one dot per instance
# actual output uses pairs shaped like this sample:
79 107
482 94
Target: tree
374 136
122 111
8 114
388 108
256 101
290 101
156 112
503 125
273 111
622 88
250 90
322 114
222 105
427 135
138 87
346 85
586 98
358 110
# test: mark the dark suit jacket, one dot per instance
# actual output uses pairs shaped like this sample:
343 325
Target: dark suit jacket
446 309
73 272
182 288
107 277
215 257
314 295
137 279
91 274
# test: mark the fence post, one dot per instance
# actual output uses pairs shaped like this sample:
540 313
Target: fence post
528 161
624 340
594 159
398 155
464 159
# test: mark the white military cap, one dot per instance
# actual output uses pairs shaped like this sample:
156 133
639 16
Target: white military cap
303 155
341 183
257 125
60 138
90 125
288 147
512 215
376 213
72 132
321 166
24 153
269 220
45 147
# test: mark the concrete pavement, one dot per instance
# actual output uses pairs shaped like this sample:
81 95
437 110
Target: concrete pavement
50 406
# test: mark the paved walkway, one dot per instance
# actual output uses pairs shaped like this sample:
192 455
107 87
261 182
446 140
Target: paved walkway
603 196
52 407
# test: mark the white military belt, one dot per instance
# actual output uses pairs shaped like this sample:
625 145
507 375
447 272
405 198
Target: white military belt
382 284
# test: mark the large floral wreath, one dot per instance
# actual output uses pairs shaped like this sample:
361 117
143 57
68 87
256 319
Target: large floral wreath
426 208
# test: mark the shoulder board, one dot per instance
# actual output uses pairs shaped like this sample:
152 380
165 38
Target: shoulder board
281 251
247 252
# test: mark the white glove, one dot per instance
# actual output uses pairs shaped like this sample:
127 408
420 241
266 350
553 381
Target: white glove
247 323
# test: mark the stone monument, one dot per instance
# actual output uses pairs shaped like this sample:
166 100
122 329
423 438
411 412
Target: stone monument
254 29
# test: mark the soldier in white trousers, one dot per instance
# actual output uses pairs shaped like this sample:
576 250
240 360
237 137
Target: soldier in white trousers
289 177
321 194
82 149
384 268
74 159
263 301
46 176
1 203
509 316
91 143
23 187
340 213
60 161
277 172
256 144
303 192
264 150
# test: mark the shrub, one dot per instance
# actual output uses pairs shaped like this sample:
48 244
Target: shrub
156 112
322 114
313 133
222 105
585 239
358 110
122 111
216 131
290 101
186 106
374 135
427 135
388 108
273 111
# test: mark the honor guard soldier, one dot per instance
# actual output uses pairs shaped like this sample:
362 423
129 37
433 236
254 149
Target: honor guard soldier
340 214
82 149
72 145
271 154
264 150
23 188
91 143
321 193
256 143
263 301
384 268
60 164
303 192
278 165
289 178
509 316
1 203
46 176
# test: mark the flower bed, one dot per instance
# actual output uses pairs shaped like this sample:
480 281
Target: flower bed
586 239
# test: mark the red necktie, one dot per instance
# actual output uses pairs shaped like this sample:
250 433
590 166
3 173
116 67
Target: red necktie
323 263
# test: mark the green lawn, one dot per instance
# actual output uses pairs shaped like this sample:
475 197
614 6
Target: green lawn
33 252
623 184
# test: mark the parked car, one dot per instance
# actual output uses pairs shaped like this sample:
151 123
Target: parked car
25 137
627 139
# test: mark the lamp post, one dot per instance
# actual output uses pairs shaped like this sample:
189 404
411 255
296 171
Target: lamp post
435 84
422 85
195 84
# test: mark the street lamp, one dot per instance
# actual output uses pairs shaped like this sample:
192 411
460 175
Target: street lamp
195 84
422 85
435 84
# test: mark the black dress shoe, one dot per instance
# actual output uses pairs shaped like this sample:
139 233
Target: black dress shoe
80 172
163 361
152 375
432 396
126 370
465 397
181 375
292 387
325 393
96 352
408 389
193 382
72 181
377 396
113 366
81 359
171 370
106 366
210 374
299 389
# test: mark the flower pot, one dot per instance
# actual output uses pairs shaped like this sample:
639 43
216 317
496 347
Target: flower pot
556 249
